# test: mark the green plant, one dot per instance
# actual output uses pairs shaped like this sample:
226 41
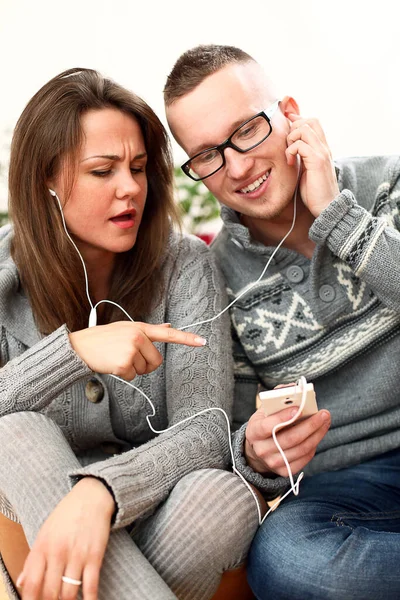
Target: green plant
196 203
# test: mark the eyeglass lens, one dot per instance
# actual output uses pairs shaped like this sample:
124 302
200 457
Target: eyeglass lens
249 135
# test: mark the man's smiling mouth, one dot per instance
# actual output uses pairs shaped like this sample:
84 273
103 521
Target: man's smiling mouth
256 184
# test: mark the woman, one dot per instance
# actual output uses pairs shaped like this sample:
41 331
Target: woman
88 151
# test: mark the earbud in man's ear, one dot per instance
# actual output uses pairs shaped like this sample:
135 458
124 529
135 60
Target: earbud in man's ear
52 192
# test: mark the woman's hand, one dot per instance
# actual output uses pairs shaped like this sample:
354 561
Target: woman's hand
71 542
126 348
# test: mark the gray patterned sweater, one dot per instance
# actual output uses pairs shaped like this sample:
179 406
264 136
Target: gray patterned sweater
334 319
44 374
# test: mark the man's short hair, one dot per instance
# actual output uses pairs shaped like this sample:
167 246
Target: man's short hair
193 66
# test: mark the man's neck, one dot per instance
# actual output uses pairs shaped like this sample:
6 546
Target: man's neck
271 232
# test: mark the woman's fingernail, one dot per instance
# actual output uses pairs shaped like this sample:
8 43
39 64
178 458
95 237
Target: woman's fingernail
20 580
294 412
200 340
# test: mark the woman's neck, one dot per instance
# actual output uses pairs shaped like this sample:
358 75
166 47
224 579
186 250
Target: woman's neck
99 272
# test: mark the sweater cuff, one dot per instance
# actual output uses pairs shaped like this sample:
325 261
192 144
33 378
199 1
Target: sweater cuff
348 229
51 361
132 495
42 372
61 361
335 221
119 519
270 487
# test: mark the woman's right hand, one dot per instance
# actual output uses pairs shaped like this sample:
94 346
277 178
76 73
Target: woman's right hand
71 542
126 348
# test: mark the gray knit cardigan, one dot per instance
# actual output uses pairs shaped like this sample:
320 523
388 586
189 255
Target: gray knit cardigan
44 374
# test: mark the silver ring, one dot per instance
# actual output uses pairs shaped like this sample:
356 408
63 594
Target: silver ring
70 580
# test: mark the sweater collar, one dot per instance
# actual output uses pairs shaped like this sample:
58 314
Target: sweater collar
240 235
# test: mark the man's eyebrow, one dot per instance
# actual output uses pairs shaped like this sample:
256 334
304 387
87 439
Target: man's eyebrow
115 156
232 128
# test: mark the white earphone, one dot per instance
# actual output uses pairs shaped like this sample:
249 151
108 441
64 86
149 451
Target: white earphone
93 321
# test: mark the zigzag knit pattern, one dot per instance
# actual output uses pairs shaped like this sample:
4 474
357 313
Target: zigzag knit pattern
286 330
337 322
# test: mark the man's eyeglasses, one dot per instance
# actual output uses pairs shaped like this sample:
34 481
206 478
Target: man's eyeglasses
247 136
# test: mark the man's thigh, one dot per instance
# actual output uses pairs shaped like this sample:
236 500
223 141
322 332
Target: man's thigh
337 539
372 487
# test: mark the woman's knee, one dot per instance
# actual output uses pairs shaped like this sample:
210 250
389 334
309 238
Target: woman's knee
35 460
25 434
22 422
220 511
204 528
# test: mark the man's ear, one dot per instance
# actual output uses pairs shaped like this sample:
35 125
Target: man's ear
289 105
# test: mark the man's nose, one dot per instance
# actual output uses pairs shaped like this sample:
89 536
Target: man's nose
237 164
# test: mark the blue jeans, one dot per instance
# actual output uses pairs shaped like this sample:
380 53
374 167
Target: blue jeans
338 539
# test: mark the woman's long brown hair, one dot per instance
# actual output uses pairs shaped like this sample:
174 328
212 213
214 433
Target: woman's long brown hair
47 134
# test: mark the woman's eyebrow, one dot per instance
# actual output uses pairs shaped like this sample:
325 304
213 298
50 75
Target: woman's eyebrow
114 156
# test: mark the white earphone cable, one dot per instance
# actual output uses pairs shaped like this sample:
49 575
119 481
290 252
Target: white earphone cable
302 381
53 193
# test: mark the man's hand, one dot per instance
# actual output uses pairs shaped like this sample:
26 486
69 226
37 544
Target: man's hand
298 441
72 542
318 184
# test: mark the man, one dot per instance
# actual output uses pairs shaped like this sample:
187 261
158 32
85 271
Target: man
328 308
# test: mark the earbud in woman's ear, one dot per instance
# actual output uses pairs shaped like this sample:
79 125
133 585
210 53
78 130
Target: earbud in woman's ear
52 192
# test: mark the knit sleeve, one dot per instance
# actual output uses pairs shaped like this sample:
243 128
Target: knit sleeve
39 374
196 379
368 241
271 486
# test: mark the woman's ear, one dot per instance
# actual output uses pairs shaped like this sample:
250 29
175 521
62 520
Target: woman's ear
289 105
50 187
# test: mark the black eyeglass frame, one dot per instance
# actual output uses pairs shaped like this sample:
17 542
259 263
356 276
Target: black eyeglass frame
266 114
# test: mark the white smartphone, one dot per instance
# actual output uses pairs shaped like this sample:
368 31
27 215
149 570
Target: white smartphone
273 401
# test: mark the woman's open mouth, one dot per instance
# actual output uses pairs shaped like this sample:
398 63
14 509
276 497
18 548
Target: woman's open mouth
125 219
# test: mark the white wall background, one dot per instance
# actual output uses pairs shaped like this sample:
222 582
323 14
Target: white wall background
339 59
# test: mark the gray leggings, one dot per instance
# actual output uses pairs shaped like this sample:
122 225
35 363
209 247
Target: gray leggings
203 528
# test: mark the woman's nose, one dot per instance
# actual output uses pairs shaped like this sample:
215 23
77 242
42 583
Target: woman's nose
127 185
